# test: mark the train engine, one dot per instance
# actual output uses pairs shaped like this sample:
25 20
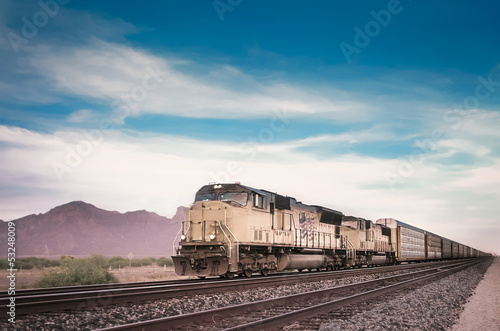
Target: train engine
235 229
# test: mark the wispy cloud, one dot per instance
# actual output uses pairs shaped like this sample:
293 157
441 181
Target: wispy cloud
139 170
87 97
107 72
80 115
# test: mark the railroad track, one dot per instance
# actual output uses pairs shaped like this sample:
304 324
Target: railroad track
280 312
82 297
86 288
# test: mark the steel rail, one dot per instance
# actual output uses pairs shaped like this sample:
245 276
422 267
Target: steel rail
81 297
183 321
309 312
86 288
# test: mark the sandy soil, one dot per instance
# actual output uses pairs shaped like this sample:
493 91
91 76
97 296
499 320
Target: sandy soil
27 278
144 274
482 312
24 278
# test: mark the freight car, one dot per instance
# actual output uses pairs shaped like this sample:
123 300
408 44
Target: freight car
414 244
236 229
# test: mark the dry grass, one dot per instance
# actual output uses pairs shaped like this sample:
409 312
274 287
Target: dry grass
28 278
144 274
24 278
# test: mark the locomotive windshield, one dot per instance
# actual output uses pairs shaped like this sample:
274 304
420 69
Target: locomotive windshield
239 198
205 196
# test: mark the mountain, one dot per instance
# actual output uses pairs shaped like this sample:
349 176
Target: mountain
81 229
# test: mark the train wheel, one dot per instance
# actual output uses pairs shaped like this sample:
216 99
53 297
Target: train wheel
248 273
229 275
202 277
299 270
264 272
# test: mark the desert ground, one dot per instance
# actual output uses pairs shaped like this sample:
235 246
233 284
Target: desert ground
27 278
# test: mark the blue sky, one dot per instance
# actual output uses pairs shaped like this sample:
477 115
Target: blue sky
377 109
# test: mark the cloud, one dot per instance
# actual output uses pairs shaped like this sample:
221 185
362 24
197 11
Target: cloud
112 73
133 170
83 59
80 115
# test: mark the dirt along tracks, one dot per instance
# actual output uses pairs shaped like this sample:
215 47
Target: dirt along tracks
482 312
28 278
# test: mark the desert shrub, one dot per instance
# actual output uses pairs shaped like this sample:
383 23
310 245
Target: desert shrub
76 272
66 257
39 263
55 263
100 260
4 264
22 264
118 262
147 261
135 263
164 261
28 263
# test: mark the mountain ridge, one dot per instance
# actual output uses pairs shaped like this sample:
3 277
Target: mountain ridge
79 228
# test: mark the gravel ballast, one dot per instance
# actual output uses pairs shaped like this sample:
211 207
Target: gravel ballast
100 317
435 306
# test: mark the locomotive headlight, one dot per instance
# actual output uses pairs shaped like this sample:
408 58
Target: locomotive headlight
183 237
212 236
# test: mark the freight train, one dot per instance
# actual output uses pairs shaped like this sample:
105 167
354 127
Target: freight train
232 229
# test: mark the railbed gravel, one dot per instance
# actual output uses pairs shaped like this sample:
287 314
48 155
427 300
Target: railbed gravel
435 306
107 316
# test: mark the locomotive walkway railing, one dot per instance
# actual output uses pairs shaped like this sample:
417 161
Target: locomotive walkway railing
315 239
351 250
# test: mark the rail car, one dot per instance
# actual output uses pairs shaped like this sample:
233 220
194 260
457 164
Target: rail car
236 229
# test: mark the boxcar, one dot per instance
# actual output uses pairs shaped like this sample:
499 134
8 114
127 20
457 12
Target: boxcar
446 248
433 246
454 250
408 240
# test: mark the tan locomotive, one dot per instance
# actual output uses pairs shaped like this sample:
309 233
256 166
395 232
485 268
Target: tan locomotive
235 229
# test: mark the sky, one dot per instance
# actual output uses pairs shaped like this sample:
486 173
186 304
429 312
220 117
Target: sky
373 108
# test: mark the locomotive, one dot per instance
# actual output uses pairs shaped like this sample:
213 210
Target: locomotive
233 229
